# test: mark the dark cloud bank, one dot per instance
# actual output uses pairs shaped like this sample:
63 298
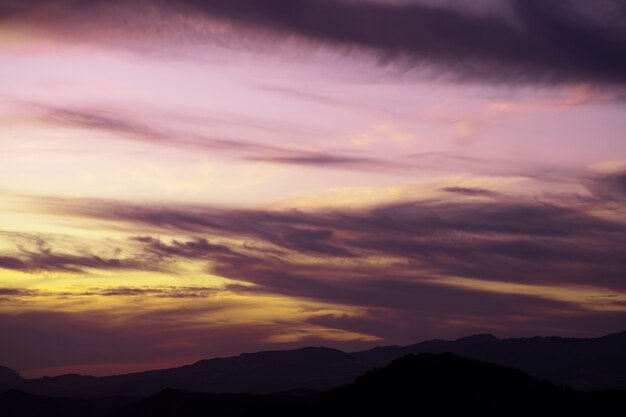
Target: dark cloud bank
525 242
549 40
487 236
490 236
537 41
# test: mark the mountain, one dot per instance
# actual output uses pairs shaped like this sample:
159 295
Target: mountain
262 372
442 385
425 384
15 403
8 375
171 402
447 385
586 364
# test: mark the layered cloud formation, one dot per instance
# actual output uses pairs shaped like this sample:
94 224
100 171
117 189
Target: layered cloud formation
180 180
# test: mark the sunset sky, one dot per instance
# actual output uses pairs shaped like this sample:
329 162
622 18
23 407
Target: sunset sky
182 180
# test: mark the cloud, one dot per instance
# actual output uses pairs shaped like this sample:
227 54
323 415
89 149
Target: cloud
320 159
192 249
535 41
610 186
162 291
111 121
406 328
477 192
36 253
159 292
10 262
436 266
49 261
530 267
12 294
501 239
548 41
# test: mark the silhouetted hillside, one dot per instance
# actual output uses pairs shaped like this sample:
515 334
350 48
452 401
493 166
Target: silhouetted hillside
263 372
431 385
8 375
448 385
586 364
15 403
184 404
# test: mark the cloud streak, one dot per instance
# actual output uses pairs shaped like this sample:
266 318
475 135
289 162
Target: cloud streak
36 253
47 260
13 294
112 122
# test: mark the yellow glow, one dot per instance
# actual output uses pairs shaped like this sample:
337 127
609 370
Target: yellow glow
94 296
358 197
591 298
381 133
500 106
464 129
304 332
610 167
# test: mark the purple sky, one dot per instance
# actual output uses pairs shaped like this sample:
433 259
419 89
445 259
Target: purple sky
182 180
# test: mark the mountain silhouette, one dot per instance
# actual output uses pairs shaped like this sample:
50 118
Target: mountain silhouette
442 385
262 372
8 375
171 402
585 364
425 384
14 403
581 363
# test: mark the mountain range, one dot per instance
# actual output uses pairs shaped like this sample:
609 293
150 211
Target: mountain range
583 364
442 385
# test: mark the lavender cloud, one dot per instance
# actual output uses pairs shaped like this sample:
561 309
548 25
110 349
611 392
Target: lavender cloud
113 122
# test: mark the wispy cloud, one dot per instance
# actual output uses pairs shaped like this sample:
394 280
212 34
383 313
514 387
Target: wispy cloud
113 122
47 260
13 294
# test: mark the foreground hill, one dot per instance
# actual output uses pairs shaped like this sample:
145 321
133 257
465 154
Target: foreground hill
9 376
581 363
586 364
15 403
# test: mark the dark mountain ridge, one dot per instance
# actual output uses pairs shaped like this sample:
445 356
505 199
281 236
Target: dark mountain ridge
14 403
442 385
586 364
8 375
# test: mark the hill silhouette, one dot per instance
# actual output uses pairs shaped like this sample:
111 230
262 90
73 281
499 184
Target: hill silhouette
8 375
425 384
581 363
586 364
14 403
442 385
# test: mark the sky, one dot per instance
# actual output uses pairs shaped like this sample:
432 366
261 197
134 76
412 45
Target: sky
201 178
